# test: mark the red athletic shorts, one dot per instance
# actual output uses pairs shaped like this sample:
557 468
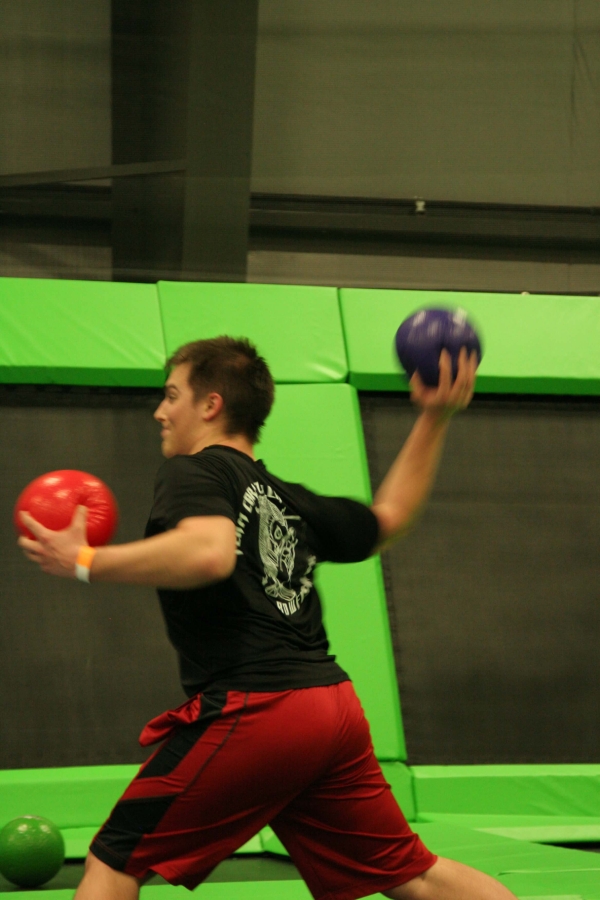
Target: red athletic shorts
232 762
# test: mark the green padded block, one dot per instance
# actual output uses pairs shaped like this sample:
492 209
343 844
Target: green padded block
80 333
532 344
292 889
400 780
498 856
78 840
217 890
44 894
270 842
539 790
314 436
297 329
554 885
537 829
74 797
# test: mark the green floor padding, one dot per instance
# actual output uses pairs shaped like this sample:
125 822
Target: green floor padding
499 856
544 885
80 333
314 436
547 885
238 890
537 829
539 790
532 344
296 328
44 894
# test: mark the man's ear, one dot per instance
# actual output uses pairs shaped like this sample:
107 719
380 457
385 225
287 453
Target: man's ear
212 406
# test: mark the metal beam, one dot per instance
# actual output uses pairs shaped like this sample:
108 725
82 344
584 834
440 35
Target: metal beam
60 176
183 87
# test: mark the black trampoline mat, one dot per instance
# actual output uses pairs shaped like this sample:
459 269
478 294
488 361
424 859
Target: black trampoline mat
82 667
494 597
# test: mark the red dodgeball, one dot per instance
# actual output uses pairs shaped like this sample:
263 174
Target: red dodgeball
52 499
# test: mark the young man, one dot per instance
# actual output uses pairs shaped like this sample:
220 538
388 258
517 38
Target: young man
272 731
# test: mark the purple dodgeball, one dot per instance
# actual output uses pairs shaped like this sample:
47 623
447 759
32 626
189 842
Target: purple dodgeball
422 337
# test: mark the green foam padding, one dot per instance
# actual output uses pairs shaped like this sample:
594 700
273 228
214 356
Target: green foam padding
314 436
554 885
44 894
498 856
297 329
292 889
80 333
400 780
536 829
539 790
78 840
271 843
535 344
212 890
74 797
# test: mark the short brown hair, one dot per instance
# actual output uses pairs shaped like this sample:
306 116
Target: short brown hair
232 368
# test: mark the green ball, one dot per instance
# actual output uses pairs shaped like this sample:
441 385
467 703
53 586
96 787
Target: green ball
32 850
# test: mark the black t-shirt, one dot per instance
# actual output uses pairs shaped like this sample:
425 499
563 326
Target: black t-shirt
260 629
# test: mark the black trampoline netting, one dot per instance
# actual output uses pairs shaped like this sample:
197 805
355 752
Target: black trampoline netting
81 670
494 597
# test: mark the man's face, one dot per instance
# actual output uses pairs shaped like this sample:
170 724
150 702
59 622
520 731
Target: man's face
180 415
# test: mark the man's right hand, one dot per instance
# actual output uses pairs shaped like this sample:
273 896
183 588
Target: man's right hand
448 397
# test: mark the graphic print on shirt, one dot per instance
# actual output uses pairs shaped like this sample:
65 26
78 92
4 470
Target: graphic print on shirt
277 542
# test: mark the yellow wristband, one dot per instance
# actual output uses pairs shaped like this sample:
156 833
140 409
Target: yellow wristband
83 563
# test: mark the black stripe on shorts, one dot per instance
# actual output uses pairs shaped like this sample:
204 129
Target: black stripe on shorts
130 820
176 748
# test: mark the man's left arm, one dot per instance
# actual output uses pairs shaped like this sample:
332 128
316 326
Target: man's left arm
199 551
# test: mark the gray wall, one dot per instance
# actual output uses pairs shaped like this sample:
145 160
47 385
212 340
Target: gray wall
55 84
447 100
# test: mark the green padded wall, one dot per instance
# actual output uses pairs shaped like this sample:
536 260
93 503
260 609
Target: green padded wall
297 329
534 872
71 797
535 829
557 790
80 333
314 436
532 344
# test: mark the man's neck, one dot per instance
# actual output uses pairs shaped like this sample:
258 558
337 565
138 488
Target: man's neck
237 441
